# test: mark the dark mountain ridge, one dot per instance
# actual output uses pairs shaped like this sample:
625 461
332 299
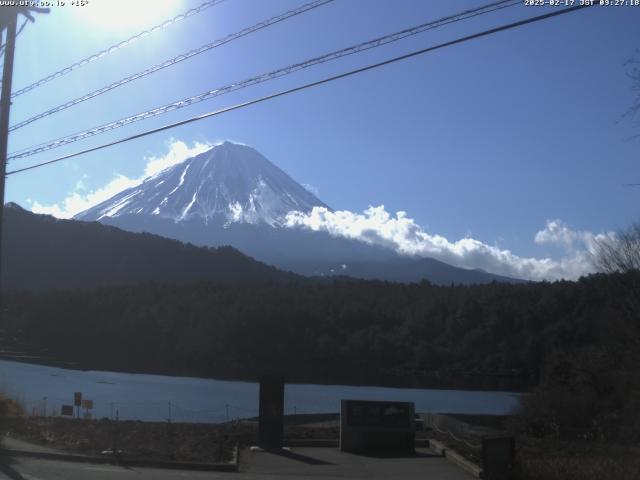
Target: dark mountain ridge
42 252
233 195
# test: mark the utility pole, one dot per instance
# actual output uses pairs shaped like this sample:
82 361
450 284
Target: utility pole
8 22
5 107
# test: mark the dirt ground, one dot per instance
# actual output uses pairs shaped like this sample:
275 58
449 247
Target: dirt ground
539 459
548 459
155 440
552 459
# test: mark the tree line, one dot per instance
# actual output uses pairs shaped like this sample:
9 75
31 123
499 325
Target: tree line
574 344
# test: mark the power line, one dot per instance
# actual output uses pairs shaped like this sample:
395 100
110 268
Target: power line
375 43
173 61
7 13
3 46
91 58
24 24
312 84
261 78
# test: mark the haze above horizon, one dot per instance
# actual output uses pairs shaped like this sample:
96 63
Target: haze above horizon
512 143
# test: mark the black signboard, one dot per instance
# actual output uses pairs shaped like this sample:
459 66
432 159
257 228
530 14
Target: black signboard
67 410
271 426
376 426
362 413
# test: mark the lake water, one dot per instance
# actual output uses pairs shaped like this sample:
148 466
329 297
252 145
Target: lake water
185 399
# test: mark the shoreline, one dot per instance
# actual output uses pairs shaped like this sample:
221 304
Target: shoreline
402 382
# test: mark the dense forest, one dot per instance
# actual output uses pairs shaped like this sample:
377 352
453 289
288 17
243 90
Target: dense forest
354 331
42 252
577 338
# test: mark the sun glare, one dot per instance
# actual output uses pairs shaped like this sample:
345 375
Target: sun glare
127 14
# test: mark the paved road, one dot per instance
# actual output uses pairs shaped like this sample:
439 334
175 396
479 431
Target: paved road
330 463
32 469
300 463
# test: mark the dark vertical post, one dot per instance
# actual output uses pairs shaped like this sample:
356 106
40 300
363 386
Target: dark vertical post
497 457
5 107
271 428
77 401
114 449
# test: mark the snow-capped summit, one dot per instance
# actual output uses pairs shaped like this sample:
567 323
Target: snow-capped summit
230 183
232 195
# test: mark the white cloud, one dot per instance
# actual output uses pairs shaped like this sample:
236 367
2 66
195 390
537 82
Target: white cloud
79 199
556 232
237 142
76 202
311 188
376 226
178 153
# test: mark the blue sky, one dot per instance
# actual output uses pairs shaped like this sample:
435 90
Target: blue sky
502 140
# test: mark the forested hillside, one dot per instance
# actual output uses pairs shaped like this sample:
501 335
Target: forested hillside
42 252
346 331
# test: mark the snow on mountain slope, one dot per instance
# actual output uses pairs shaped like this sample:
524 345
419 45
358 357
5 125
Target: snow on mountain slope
232 195
230 183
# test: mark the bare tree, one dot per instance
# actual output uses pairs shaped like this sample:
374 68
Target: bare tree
619 256
633 73
620 253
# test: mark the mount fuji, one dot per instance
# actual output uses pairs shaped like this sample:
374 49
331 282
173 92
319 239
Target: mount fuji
228 184
232 195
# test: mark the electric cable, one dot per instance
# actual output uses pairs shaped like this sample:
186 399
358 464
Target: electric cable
375 43
103 53
173 61
312 84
